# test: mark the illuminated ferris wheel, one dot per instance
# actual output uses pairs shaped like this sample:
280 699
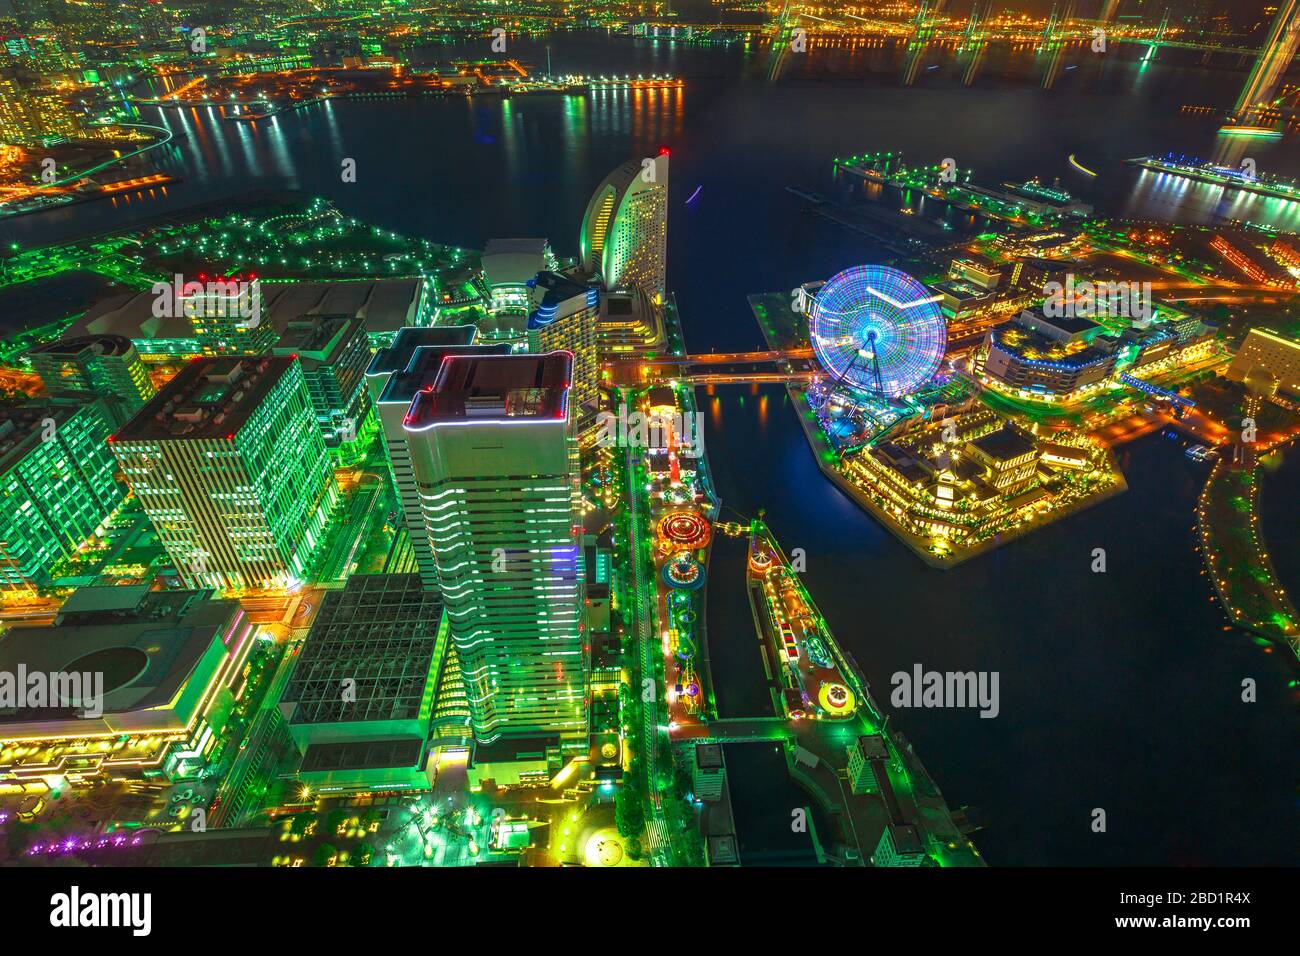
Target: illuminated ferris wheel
878 330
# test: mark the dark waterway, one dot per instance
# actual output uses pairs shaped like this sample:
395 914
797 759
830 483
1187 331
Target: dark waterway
1119 690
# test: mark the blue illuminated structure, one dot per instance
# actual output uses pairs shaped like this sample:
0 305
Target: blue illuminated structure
1155 390
878 330
546 313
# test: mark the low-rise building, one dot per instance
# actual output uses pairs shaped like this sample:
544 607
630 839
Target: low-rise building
900 845
167 662
1266 351
361 697
628 322
710 772
509 265
865 754
1046 358
1009 457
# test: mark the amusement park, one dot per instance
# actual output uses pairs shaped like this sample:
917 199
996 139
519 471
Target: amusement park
958 449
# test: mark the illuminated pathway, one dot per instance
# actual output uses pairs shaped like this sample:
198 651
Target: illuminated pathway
1236 557
647 645
691 368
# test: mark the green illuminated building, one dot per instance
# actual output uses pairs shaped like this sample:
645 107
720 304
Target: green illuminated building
227 317
104 365
229 464
334 352
57 485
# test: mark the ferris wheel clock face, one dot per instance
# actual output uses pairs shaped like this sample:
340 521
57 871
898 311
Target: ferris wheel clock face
878 330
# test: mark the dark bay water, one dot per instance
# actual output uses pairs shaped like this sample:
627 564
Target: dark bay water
1119 690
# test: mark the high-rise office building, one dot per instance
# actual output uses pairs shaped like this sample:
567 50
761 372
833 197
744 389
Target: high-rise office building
624 240
105 365
227 316
563 319
230 466
492 452
334 351
394 377
57 485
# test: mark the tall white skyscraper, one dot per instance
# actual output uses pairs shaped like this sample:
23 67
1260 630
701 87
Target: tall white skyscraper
493 458
394 377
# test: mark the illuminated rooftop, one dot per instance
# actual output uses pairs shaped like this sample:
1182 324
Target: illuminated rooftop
495 387
209 398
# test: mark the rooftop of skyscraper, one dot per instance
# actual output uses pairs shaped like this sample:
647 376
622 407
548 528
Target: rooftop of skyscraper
209 398
92 344
425 364
317 339
379 631
397 357
553 293
495 387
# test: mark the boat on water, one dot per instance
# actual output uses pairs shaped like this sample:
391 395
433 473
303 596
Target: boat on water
807 194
